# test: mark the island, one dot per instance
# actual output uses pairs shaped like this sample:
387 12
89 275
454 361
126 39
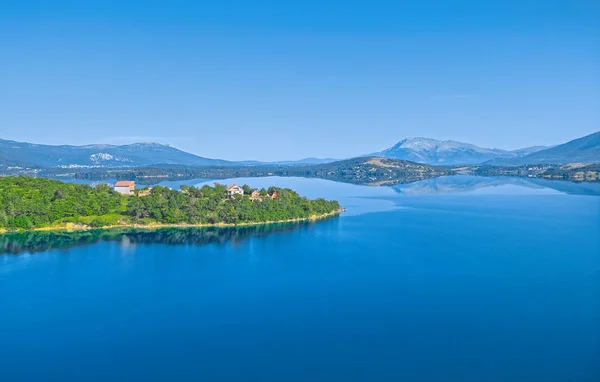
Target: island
28 203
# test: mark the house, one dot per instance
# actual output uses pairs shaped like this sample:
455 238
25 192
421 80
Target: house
234 190
255 195
273 195
124 187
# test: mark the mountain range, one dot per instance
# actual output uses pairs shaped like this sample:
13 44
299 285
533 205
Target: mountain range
138 154
420 150
432 151
581 150
24 154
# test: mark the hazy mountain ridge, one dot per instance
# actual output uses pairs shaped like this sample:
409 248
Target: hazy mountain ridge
436 152
418 150
138 154
305 161
585 150
23 154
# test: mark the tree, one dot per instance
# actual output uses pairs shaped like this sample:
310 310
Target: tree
247 189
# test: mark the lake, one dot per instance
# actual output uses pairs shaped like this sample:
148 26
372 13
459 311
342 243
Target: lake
449 279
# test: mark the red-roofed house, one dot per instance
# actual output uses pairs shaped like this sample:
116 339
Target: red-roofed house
235 190
125 187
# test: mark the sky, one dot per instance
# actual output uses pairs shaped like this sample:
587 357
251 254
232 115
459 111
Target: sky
275 80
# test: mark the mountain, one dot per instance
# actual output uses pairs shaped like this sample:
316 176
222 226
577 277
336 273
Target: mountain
305 161
580 150
432 151
24 154
375 171
420 150
138 154
528 150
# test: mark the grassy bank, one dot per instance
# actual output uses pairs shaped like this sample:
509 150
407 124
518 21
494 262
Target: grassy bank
69 227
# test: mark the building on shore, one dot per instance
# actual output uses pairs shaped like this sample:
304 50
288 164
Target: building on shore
255 195
235 190
124 187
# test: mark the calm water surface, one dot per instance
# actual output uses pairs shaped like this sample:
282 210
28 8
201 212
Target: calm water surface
461 279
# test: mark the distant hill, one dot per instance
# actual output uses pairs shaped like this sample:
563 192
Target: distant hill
371 170
302 162
415 150
581 150
432 151
138 154
528 150
574 172
24 154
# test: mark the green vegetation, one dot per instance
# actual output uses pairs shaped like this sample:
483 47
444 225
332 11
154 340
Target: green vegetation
29 203
210 205
574 173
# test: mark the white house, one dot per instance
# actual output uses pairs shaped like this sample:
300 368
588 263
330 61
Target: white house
124 187
235 190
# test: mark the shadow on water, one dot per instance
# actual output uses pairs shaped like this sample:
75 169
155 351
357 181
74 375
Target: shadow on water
41 241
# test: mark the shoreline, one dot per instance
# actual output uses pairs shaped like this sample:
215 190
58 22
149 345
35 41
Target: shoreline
73 227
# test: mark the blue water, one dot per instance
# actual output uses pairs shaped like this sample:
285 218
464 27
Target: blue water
422 282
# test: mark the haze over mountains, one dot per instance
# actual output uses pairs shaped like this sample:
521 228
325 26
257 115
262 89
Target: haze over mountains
421 150
14 153
585 150
138 154
432 151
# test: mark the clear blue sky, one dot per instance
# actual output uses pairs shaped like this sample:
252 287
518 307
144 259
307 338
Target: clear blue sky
290 79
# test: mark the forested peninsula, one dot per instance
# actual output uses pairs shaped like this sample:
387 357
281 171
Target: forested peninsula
28 203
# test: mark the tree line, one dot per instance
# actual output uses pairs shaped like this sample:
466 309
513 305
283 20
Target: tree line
27 203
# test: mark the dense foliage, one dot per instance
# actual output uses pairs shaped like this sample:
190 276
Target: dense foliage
37 202
27 203
210 205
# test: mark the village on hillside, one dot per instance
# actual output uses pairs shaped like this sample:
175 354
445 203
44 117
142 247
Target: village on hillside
126 187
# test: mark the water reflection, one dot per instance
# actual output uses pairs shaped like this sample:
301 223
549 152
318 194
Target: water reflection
348 193
356 199
504 185
41 241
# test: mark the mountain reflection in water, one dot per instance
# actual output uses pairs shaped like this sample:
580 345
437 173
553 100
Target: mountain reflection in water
40 241
356 199
467 183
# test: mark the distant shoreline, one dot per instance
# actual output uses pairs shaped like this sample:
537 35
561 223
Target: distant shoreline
72 227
